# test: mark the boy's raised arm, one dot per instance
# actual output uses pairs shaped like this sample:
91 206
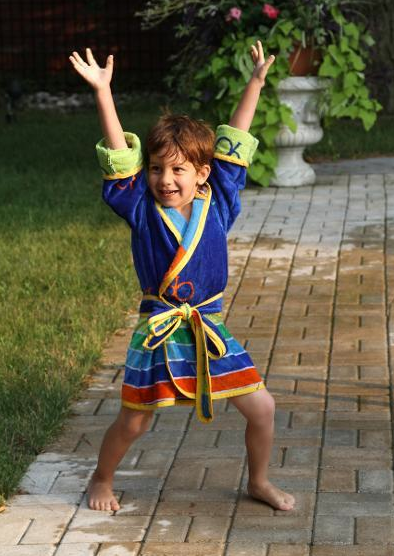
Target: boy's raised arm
100 80
243 115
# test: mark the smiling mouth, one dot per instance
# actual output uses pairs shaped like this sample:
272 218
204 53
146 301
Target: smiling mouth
168 192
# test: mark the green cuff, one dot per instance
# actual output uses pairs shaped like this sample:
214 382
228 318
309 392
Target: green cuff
235 145
120 161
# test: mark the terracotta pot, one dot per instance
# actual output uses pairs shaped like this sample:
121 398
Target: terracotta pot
304 61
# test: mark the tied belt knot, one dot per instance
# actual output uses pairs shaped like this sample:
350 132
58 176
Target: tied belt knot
186 311
165 318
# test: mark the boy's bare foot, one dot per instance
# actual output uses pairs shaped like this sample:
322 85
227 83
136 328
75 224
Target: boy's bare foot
101 496
272 495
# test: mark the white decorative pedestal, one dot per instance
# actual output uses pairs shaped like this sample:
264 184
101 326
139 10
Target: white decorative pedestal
300 94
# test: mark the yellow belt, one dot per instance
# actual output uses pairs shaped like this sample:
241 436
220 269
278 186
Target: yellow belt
162 325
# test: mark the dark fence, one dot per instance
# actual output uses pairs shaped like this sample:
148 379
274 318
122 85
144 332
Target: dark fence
37 36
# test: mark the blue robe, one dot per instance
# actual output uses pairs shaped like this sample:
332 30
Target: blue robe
180 351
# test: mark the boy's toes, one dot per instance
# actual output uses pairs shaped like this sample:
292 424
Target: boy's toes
285 506
112 505
101 497
287 503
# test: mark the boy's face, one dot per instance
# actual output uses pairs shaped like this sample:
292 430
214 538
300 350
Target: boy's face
173 180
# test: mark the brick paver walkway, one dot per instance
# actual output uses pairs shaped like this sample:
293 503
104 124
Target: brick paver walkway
311 286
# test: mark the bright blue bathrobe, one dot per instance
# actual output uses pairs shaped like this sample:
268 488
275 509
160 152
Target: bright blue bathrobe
180 351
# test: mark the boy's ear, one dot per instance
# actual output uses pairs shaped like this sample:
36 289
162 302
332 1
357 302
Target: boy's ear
203 173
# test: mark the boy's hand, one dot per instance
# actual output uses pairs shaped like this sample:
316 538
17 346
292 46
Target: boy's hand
97 77
261 66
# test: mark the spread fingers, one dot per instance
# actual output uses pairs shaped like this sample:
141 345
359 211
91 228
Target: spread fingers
90 58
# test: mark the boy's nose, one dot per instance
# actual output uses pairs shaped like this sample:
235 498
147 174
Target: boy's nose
166 178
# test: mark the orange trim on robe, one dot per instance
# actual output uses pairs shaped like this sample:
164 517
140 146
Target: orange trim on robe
163 390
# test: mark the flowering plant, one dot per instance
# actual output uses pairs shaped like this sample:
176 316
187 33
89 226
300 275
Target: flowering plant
201 25
215 63
270 11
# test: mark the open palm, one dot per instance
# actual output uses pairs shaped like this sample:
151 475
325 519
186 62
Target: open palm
261 66
97 77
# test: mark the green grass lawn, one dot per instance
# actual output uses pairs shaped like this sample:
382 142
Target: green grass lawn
65 276
348 139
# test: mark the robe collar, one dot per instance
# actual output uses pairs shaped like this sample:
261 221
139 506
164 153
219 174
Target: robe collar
188 243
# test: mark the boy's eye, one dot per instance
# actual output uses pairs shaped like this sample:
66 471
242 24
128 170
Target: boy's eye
154 168
179 169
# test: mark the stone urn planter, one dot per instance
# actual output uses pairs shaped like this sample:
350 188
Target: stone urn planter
300 94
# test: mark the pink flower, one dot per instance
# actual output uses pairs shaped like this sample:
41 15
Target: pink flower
234 13
270 11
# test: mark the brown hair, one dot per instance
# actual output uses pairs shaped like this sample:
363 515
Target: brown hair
180 134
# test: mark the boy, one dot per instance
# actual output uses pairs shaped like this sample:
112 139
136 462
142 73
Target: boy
181 352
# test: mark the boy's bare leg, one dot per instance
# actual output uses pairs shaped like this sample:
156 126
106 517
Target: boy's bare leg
259 408
127 427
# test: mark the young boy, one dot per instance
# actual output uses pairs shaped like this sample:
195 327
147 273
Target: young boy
181 352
